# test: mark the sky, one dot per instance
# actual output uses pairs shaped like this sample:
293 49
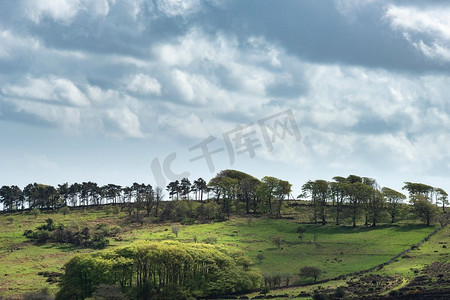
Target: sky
123 91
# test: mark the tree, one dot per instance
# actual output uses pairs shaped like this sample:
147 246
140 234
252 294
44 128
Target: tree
273 189
173 188
375 206
201 186
441 197
310 272
12 197
394 201
278 241
163 270
185 188
414 188
301 231
158 198
64 191
318 191
176 230
338 191
423 208
74 191
357 192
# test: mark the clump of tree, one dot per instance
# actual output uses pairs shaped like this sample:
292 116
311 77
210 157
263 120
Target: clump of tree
168 270
83 237
359 195
310 272
423 208
421 197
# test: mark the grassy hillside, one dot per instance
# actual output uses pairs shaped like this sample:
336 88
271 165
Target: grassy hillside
404 270
337 249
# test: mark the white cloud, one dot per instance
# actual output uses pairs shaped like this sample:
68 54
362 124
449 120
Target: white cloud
11 43
59 10
427 29
144 85
125 122
65 10
172 8
351 8
184 124
68 118
49 89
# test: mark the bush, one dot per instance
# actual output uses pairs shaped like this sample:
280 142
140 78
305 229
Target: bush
318 296
35 212
188 221
340 292
37 296
210 240
64 210
176 230
260 257
116 210
100 243
42 236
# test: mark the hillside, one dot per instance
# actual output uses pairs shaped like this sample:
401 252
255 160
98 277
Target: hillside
335 250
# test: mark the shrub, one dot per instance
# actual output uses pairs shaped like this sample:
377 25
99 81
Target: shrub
260 257
115 210
210 240
175 230
64 210
340 292
35 212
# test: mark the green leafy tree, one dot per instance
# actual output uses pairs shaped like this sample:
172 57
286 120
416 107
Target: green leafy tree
394 202
185 188
423 208
441 198
310 272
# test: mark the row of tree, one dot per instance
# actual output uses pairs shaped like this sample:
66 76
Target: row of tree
235 191
363 196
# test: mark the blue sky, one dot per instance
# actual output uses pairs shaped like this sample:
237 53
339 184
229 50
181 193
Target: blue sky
98 90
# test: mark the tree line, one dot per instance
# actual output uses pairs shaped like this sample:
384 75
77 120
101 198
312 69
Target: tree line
232 191
363 197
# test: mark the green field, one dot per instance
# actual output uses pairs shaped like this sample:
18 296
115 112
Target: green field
338 249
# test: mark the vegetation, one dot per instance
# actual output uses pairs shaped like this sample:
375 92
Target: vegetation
233 213
169 270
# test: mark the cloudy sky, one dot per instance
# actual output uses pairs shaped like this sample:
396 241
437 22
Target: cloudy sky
118 91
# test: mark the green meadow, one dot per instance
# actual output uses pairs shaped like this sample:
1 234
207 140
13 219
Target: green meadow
335 250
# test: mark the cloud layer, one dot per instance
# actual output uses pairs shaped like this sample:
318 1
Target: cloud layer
367 80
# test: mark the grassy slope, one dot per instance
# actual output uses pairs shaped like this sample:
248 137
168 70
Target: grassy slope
405 267
356 248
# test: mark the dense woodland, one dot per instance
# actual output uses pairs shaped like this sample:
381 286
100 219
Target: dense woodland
232 191
167 270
